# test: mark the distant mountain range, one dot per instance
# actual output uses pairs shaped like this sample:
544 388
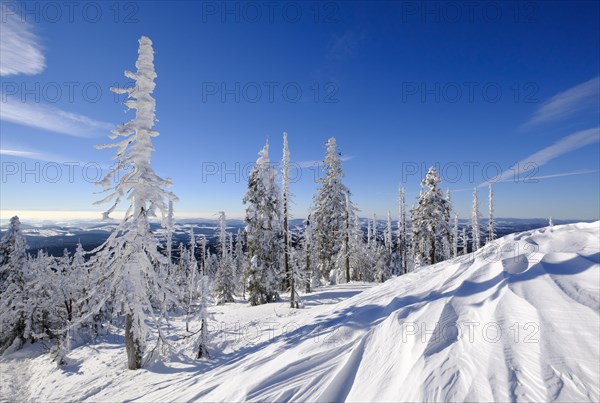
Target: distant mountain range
55 237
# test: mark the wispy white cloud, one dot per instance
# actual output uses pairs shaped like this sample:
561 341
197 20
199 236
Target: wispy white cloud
21 53
20 50
562 174
582 97
563 146
32 155
314 163
532 179
51 118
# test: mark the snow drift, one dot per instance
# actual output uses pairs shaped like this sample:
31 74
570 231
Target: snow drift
518 320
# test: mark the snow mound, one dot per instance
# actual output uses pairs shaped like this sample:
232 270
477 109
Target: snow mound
516 321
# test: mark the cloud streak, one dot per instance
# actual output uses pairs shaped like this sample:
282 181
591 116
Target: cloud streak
50 118
568 103
32 155
563 146
20 51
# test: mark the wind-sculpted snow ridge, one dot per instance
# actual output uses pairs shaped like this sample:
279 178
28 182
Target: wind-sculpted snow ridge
516 321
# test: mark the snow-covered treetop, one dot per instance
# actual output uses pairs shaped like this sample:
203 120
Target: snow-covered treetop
285 169
13 240
432 179
14 227
332 161
138 181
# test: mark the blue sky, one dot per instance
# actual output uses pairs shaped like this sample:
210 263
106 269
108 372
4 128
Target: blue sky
402 85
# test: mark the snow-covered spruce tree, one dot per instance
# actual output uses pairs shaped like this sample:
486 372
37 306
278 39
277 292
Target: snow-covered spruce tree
475 228
464 241
329 211
225 281
402 242
447 243
309 257
15 307
491 229
129 260
203 337
360 259
345 255
198 286
551 224
239 263
203 252
430 222
289 279
82 283
389 245
190 267
13 251
455 237
263 231
380 263
29 310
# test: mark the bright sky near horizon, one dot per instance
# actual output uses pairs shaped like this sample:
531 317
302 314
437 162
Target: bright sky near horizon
506 92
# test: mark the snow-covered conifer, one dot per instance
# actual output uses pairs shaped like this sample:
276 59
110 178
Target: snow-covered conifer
388 234
455 237
491 230
289 278
329 211
430 222
264 232
475 228
402 242
129 260
15 309
225 281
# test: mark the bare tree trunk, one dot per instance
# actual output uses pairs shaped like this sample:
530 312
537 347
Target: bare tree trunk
202 350
132 345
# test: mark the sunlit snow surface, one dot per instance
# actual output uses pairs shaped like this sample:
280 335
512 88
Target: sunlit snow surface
517 321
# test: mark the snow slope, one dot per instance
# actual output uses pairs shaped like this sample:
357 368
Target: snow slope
518 320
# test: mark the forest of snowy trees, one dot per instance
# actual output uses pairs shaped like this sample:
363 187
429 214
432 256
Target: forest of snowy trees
136 280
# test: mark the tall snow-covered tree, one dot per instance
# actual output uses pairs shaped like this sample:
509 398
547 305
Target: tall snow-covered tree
344 257
361 263
15 307
225 281
491 229
289 279
239 263
402 242
264 232
329 207
430 222
13 251
309 257
455 237
475 228
130 258
190 265
388 234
